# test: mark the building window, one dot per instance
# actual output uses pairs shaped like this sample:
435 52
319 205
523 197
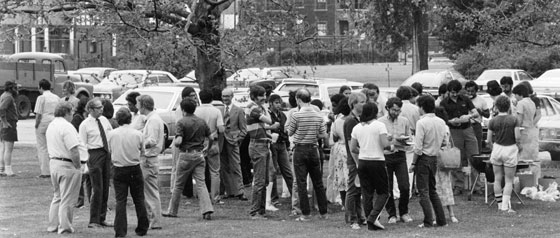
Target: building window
343 27
321 28
299 4
359 4
344 4
321 5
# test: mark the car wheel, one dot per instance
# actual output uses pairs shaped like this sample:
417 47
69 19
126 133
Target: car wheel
23 106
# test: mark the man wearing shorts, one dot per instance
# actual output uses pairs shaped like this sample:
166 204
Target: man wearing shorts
8 131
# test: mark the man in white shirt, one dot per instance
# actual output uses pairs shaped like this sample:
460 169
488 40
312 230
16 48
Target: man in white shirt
93 133
408 110
44 114
153 145
63 143
138 121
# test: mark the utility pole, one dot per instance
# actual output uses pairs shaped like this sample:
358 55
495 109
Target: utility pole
388 69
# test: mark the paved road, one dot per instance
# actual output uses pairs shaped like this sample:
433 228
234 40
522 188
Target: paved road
26 132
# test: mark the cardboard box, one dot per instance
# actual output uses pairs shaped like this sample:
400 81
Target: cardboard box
527 180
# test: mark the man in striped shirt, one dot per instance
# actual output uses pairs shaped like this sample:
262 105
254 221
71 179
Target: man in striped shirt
307 127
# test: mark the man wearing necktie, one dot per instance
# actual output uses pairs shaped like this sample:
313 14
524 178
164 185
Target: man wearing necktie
93 133
235 130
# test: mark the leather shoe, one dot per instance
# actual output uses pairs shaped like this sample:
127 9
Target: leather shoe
168 215
207 216
106 224
242 197
373 226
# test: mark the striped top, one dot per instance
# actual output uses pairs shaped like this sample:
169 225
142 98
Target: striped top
255 127
305 125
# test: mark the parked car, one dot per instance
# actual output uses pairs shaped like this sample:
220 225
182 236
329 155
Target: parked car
320 88
121 80
517 75
167 101
549 125
189 78
548 84
93 75
431 79
243 77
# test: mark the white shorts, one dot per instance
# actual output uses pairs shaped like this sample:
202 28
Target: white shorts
504 155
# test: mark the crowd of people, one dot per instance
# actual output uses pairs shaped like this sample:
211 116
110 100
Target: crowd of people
381 150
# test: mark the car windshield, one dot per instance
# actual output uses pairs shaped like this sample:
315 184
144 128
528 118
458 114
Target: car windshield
126 78
162 100
551 74
493 75
427 79
313 89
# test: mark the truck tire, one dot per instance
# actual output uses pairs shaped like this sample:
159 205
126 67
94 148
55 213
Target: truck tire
23 106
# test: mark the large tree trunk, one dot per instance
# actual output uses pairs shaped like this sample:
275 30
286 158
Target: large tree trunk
419 40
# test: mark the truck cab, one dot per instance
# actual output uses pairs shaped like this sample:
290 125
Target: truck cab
28 68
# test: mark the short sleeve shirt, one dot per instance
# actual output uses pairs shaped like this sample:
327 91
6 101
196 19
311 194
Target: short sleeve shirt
457 109
45 106
212 116
61 138
526 107
368 136
193 130
479 103
503 127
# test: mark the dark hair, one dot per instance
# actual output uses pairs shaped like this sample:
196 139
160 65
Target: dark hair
123 116
81 108
292 99
442 89
427 103
44 84
131 97
216 94
493 88
335 99
521 89
454 85
317 103
188 106
533 96
10 86
187 91
471 84
369 112
441 113
371 86
502 103
274 97
418 86
108 109
393 101
256 91
413 92
343 107
62 109
205 96
304 95
506 80
343 88
403 92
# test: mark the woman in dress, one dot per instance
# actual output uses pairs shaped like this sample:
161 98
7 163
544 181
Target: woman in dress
369 139
526 121
339 171
444 187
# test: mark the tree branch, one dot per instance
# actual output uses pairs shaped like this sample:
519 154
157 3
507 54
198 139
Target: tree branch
215 3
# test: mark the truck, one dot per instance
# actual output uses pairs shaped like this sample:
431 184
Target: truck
28 68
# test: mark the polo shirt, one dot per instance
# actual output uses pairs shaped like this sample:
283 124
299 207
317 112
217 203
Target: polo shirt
305 125
126 146
463 106
193 130
212 116
255 127
45 105
61 138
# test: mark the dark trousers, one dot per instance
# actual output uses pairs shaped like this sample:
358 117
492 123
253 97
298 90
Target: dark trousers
281 162
246 164
426 167
306 161
125 178
373 179
354 211
99 165
260 157
85 190
396 165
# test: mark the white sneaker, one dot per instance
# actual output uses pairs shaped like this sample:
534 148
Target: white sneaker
392 220
355 226
270 207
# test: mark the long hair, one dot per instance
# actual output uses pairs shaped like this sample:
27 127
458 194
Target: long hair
369 112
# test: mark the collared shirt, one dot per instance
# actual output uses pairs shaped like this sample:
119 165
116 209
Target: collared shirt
369 140
411 113
126 146
45 105
8 109
461 107
255 127
397 128
279 117
90 134
305 125
153 134
481 104
431 131
61 138
527 109
193 130
138 121
212 116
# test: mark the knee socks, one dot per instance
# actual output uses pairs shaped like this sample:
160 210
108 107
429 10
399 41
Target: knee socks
499 201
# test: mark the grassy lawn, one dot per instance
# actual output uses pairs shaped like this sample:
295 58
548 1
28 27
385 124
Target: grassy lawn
24 204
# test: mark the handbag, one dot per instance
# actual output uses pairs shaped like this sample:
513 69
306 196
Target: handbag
449 156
